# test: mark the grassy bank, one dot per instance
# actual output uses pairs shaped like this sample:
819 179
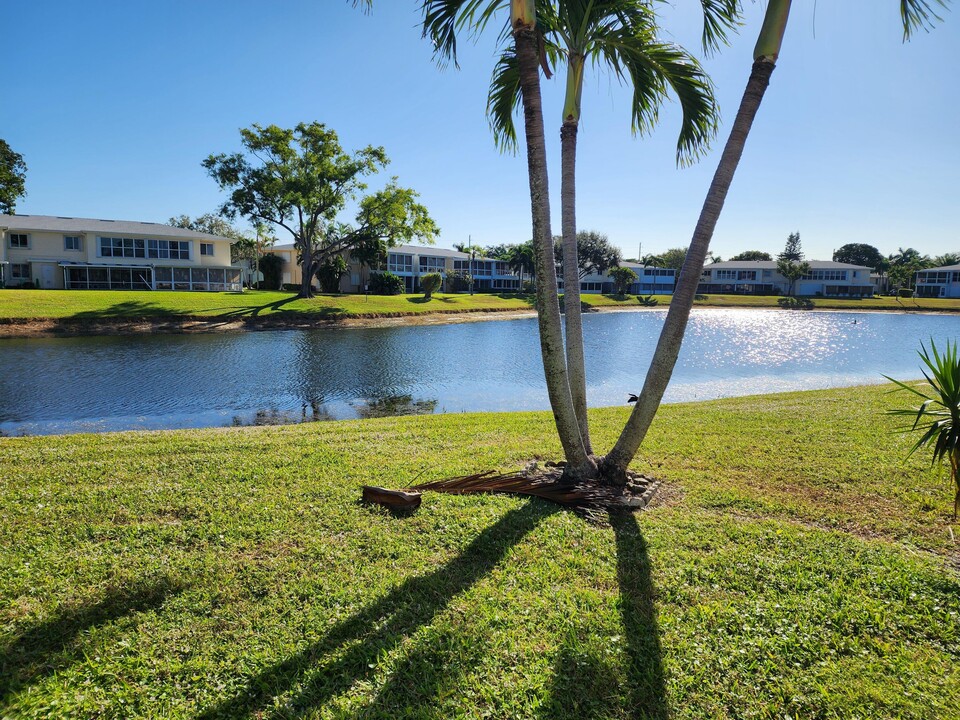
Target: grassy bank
96 305
795 564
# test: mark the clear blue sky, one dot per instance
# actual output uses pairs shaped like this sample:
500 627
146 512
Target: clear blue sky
114 104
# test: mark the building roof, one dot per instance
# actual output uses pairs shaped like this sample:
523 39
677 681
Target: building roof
945 268
112 228
772 265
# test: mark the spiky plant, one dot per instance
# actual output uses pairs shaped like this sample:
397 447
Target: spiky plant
938 416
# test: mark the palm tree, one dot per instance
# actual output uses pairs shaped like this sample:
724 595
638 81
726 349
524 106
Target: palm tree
620 35
915 14
520 259
442 19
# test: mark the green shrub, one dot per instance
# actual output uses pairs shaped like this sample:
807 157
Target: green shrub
386 283
938 416
272 268
458 281
622 278
795 303
329 274
905 293
430 283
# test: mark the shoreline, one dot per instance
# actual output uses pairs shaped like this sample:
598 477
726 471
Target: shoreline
23 328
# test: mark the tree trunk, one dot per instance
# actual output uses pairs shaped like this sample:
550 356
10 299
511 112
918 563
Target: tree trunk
573 320
579 463
306 265
671 336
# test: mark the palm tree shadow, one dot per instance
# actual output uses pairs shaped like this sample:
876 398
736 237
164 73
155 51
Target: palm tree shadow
648 695
351 649
50 645
583 685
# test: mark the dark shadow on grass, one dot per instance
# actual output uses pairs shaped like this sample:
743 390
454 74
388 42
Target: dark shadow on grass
584 686
351 650
256 310
528 298
48 646
647 691
127 309
435 298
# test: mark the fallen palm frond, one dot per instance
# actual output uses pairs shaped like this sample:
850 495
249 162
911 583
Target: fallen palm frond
546 484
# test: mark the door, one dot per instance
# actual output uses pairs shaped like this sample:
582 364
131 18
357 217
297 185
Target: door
46 275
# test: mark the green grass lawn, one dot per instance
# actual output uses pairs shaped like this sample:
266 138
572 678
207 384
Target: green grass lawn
99 304
794 565
106 304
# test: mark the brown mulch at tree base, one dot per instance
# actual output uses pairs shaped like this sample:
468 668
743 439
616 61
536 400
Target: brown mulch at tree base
532 481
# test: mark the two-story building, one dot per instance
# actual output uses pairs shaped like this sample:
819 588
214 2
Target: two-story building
85 254
411 262
941 282
760 277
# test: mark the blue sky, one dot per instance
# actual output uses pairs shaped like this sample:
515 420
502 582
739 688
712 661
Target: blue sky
114 105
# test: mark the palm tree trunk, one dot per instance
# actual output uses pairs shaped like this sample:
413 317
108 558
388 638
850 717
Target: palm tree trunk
671 336
572 315
579 463
573 318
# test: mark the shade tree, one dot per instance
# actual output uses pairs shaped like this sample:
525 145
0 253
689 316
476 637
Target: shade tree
13 178
752 256
300 179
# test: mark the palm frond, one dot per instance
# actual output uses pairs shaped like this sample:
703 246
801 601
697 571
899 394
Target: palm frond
919 15
444 19
937 418
720 18
503 100
545 485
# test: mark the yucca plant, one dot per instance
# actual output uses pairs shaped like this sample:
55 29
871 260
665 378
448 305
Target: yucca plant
938 416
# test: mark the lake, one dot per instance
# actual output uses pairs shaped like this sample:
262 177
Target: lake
100 384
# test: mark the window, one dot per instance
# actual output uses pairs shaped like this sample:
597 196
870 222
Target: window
20 272
121 247
431 264
168 249
726 274
826 275
206 248
19 241
397 263
72 242
747 275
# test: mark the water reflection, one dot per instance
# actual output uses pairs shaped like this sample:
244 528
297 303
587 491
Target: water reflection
396 405
96 384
